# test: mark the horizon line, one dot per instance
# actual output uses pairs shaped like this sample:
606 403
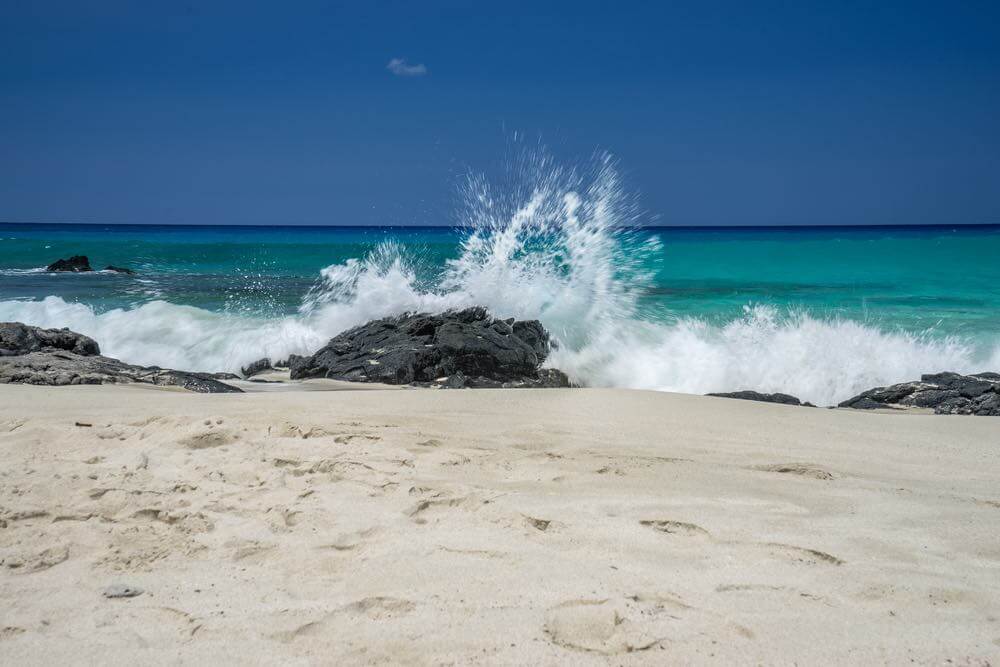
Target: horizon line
903 225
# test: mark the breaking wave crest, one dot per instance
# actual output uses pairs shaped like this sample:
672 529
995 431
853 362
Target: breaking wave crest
550 244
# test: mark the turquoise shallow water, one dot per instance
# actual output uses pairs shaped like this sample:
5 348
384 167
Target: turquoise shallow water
942 278
936 287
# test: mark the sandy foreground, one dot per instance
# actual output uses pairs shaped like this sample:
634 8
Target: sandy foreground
491 527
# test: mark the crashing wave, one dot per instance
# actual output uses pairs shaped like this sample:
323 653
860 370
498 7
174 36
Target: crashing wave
555 245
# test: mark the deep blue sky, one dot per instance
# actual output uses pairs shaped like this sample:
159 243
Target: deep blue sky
719 112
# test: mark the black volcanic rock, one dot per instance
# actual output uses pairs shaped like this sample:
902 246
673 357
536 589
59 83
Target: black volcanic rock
17 338
256 367
75 264
466 348
784 399
30 355
547 378
947 393
119 269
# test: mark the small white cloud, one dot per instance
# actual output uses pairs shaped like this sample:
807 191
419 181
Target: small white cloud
400 67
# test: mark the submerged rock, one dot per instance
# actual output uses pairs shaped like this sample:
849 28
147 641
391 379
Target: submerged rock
119 269
31 355
466 348
784 399
74 264
947 393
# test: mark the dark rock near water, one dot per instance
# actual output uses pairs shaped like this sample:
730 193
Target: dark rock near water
784 399
203 383
17 338
547 378
119 269
864 403
256 368
81 264
466 348
947 393
30 355
74 264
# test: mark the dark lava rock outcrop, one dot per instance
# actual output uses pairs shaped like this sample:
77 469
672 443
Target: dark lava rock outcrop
257 367
81 264
119 269
784 399
17 339
31 355
465 348
74 264
946 393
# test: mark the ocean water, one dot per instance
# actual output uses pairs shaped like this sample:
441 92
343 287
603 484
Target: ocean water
821 313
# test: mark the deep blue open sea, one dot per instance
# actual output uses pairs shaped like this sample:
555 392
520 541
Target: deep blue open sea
817 312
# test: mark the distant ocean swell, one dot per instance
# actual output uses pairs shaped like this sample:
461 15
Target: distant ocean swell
548 246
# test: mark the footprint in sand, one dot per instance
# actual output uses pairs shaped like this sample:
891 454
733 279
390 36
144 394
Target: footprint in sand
798 469
783 551
155 624
290 430
210 433
26 562
349 541
602 626
252 550
183 521
678 528
24 514
801 554
379 608
767 597
421 511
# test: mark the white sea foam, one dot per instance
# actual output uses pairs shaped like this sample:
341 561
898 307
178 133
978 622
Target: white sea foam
546 245
170 335
21 272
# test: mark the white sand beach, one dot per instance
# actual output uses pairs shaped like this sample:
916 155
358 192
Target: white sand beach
491 527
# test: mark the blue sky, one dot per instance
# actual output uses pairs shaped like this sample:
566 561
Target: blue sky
720 113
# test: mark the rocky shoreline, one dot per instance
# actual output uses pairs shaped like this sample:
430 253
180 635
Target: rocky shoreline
456 349
452 350
57 357
946 393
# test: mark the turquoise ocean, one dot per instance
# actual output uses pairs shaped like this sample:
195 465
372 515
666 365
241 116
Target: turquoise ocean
819 312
